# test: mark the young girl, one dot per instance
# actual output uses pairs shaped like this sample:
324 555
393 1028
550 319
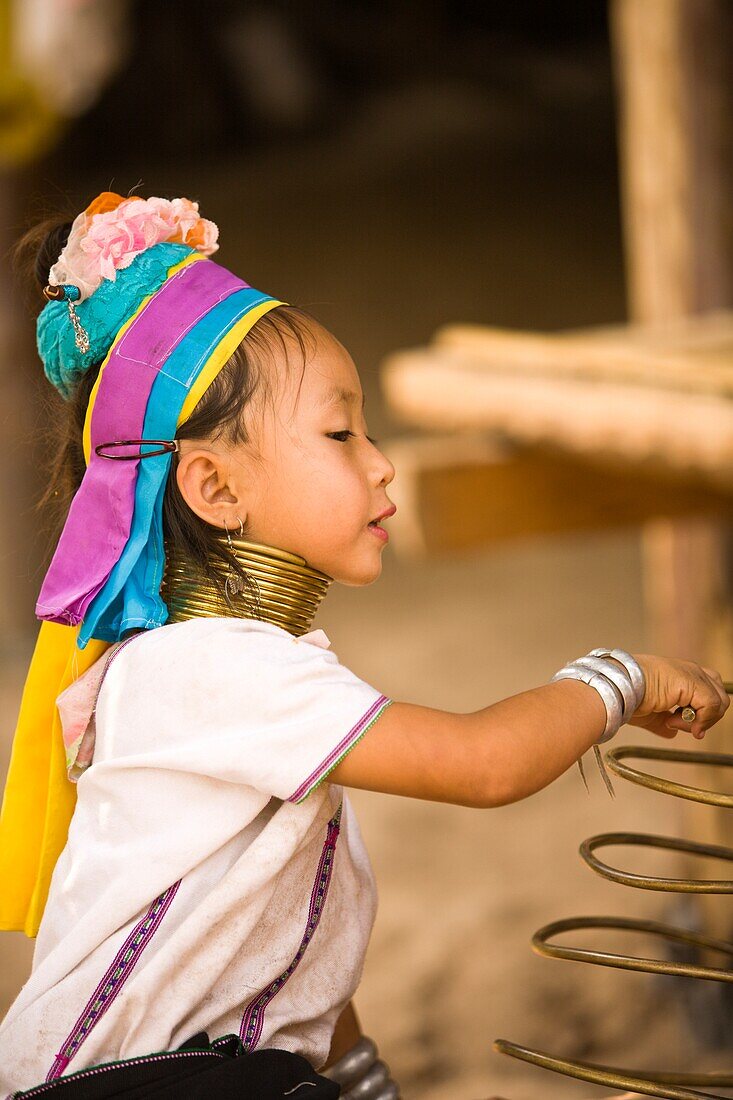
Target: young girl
189 858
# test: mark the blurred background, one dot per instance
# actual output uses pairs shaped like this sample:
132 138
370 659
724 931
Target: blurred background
516 218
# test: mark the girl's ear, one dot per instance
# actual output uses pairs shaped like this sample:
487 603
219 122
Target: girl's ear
204 479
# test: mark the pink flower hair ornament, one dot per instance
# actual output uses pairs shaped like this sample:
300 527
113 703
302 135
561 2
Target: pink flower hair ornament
113 230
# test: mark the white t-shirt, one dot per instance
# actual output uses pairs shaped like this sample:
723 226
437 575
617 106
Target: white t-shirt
211 880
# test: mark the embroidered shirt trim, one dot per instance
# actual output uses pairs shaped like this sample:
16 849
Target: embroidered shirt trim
339 751
115 977
250 1030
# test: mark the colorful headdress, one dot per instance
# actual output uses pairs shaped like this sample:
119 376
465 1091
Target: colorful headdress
134 287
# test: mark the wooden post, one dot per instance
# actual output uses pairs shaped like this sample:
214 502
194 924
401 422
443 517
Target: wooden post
673 66
20 554
674 95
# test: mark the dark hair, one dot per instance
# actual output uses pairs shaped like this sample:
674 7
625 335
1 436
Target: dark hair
219 414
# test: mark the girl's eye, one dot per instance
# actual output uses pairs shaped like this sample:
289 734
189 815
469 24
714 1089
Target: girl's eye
347 433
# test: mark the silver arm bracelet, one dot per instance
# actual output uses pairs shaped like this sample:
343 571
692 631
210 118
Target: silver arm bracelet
618 677
632 666
362 1075
607 692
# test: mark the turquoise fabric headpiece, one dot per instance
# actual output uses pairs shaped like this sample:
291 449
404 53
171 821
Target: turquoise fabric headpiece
102 315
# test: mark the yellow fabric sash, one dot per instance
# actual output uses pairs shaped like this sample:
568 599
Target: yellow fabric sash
39 799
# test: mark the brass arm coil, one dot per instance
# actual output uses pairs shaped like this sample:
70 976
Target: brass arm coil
675 1086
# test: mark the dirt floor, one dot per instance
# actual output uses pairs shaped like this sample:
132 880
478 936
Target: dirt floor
383 239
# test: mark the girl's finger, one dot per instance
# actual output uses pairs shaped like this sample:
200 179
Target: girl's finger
706 701
717 683
723 698
676 723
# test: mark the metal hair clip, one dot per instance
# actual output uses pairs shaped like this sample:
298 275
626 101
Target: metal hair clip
69 293
165 446
63 292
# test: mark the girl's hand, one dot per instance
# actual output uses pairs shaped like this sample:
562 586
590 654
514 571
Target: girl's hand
670 684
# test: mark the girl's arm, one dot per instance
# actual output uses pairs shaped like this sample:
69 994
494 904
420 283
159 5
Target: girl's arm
489 757
346 1035
511 749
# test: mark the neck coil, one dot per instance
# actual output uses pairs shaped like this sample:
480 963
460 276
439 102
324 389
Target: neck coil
272 585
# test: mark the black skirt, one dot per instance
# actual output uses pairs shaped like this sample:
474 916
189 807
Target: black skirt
198 1070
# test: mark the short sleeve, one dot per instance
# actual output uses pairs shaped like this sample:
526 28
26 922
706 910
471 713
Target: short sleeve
254 706
317 711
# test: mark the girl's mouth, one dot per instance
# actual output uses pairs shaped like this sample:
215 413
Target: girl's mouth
378 531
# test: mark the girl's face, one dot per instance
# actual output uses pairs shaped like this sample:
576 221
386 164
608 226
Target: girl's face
311 479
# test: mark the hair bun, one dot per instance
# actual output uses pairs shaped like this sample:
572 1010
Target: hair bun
39 248
50 248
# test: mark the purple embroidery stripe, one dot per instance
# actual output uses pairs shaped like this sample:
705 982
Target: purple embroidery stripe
105 1067
250 1030
115 977
340 750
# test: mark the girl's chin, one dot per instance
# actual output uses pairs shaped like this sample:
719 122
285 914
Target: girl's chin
358 574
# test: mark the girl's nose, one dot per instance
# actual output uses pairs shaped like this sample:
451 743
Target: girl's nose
388 470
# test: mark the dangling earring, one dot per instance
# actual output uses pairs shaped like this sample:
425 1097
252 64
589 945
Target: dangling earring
233 585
